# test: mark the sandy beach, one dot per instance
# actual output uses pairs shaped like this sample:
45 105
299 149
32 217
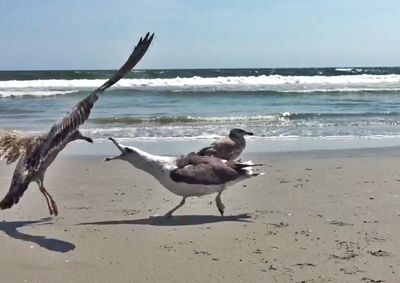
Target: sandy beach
317 216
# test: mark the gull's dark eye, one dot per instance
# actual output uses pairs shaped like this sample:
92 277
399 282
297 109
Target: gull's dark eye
128 150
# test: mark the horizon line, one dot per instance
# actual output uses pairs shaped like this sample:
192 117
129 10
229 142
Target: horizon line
208 68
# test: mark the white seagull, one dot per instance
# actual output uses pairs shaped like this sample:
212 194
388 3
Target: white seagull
36 153
188 176
228 148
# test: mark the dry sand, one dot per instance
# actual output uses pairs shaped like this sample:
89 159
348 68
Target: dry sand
313 217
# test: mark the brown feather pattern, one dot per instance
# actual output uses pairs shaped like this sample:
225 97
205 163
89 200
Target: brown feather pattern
12 146
19 184
62 131
36 153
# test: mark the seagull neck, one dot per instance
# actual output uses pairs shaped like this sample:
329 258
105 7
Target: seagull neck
147 162
238 139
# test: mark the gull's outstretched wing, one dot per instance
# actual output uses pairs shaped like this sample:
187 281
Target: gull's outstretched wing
135 57
13 146
69 124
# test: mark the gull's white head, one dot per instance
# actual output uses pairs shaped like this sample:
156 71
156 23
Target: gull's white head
141 159
126 152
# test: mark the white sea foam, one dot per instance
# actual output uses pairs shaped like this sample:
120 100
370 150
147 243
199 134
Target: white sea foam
231 83
33 92
344 69
252 139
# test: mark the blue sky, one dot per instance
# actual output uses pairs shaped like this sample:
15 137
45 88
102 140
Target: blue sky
99 34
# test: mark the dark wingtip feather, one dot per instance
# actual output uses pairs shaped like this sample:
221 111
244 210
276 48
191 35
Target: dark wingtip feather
8 201
151 37
19 185
148 38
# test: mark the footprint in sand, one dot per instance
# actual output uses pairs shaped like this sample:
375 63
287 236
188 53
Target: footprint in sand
379 253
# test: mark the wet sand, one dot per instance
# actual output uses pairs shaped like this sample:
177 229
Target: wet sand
321 216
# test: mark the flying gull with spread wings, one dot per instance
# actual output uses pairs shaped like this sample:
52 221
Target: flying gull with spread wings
190 175
228 148
36 153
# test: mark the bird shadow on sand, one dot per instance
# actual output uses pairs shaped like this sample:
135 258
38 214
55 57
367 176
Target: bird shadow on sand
12 230
178 220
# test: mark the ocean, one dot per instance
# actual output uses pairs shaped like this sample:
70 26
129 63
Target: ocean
297 106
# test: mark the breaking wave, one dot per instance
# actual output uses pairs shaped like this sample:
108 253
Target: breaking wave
270 83
165 120
246 119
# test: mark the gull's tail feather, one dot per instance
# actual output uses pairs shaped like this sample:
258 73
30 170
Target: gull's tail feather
250 173
244 164
246 167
